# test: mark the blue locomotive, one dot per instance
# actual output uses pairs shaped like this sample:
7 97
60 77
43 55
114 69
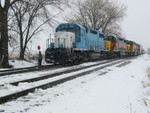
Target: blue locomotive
74 43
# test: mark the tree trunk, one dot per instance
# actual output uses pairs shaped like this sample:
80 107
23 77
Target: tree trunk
22 51
21 41
3 38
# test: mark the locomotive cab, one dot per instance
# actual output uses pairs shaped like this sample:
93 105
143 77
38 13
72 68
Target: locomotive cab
64 40
60 46
110 43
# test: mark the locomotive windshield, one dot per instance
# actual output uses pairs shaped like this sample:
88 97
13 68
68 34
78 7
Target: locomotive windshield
111 38
69 28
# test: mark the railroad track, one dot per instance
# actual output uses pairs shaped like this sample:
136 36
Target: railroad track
51 80
30 69
27 69
65 71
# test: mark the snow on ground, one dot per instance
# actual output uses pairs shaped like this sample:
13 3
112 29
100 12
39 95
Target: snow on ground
8 89
116 89
21 63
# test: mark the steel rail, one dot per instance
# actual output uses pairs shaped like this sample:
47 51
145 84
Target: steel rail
18 94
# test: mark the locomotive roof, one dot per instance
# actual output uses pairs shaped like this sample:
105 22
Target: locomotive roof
76 25
69 24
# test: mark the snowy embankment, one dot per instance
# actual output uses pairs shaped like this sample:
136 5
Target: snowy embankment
117 89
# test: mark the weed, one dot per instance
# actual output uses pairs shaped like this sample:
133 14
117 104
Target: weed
146 86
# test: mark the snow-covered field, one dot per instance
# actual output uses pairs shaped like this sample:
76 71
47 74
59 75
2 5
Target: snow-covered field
117 89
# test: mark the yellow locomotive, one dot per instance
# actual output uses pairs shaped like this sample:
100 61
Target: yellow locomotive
115 46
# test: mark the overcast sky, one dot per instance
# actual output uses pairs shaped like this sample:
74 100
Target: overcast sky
136 26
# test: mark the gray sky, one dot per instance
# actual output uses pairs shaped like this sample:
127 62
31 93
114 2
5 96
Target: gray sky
136 26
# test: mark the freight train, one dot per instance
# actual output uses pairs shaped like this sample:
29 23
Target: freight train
73 42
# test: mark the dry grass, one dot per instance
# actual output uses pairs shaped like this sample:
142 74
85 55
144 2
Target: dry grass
147 83
146 92
148 73
146 101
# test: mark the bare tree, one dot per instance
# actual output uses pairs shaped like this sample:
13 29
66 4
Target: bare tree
4 32
115 13
30 16
99 14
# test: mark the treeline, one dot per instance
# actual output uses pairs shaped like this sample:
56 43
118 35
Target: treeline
23 19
